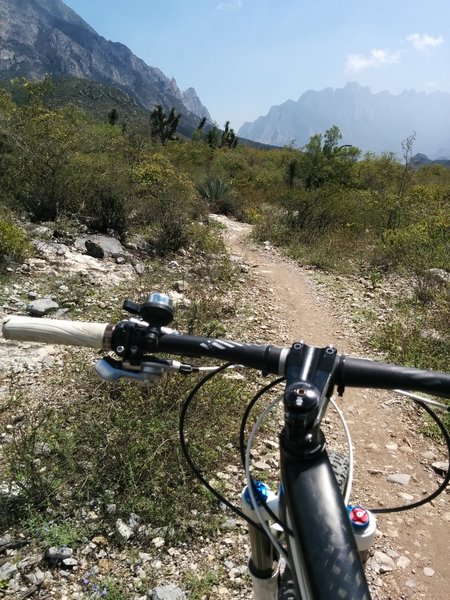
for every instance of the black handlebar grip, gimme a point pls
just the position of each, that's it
(359, 372)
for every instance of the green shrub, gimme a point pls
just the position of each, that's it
(166, 200)
(424, 244)
(14, 244)
(106, 210)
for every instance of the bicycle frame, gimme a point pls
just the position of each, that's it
(310, 516)
(323, 553)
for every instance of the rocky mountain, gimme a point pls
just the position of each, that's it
(46, 36)
(373, 122)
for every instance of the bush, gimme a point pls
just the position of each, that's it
(106, 210)
(166, 203)
(423, 244)
(14, 244)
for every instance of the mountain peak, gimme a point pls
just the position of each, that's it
(373, 122)
(46, 36)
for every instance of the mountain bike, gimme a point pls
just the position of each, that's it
(307, 541)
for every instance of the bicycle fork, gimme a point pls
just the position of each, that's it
(263, 564)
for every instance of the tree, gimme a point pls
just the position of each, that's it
(228, 138)
(201, 124)
(395, 214)
(407, 148)
(313, 163)
(215, 138)
(291, 171)
(163, 127)
(331, 139)
(324, 161)
(113, 117)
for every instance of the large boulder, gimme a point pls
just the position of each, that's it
(110, 246)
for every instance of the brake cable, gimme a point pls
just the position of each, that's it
(422, 402)
(184, 447)
(446, 480)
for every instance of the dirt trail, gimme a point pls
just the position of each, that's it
(415, 545)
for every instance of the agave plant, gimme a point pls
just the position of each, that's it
(213, 189)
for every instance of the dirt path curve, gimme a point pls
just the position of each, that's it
(412, 549)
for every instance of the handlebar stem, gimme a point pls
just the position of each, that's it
(309, 372)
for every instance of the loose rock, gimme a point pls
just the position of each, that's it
(400, 478)
(167, 592)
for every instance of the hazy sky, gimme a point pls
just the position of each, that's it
(244, 56)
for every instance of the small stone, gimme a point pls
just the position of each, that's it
(429, 455)
(400, 478)
(392, 446)
(167, 592)
(70, 562)
(57, 553)
(39, 576)
(428, 571)
(145, 557)
(105, 565)
(41, 307)
(158, 542)
(406, 496)
(382, 563)
(46, 583)
(440, 467)
(134, 520)
(230, 524)
(42, 449)
(403, 562)
(7, 571)
(374, 447)
(100, 540)
(5, 539)
(410, 583)
(123, 531)
(64, 573)
(139, 268)
(222, 590)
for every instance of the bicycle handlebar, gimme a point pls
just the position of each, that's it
(54, 331)
(350, 372)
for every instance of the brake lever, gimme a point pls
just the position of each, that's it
(147, 372)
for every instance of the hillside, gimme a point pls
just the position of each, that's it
(45, 36)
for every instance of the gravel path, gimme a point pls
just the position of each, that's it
(277, 302)
(413, 545)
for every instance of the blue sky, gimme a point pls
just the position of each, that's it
(244, 56)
